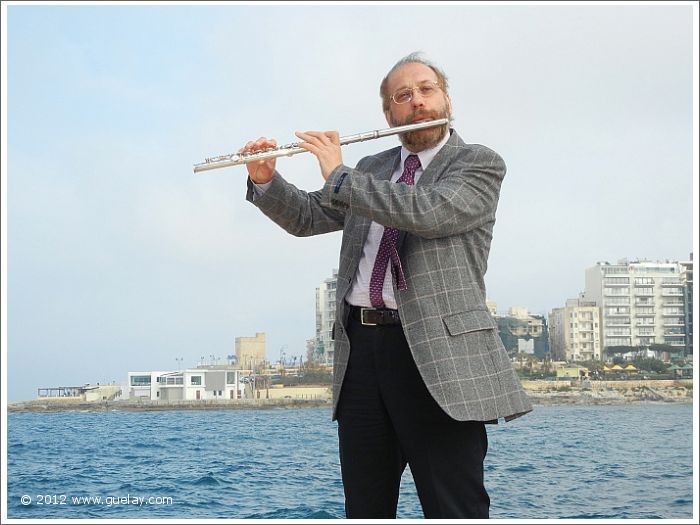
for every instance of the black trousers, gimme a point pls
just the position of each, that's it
(387, 419)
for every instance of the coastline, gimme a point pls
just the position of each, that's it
(46, 406)
(541, 392)
(577, 392)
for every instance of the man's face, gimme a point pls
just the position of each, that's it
(419, 108)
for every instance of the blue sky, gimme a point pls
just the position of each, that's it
(119, 258)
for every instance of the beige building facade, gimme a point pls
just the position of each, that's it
(250, 352)
(575, 331)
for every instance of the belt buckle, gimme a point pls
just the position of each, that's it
(362, 316)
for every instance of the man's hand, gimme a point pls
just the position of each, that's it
(260, 171)
(326, 146)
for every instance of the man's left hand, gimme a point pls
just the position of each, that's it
(326, 146)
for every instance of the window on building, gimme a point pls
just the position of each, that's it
(140, 380)
(196, 380)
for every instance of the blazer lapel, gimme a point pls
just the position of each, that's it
(442, 160)
(437, 166)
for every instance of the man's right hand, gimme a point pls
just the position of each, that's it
(261, 171)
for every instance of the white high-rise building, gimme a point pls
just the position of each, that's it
(642, 302)
(574, 331)
(325, 317)
(688, 279)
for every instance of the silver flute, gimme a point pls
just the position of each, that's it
(235, 159)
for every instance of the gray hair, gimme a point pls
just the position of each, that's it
(413, 58)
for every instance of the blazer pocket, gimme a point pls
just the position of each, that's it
(470, 321)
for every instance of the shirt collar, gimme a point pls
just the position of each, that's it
(425, 156)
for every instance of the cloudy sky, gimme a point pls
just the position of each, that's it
(118, 258)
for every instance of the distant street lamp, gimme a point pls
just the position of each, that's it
(179, 362)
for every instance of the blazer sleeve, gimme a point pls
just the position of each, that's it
(462, 197)
(298, 212)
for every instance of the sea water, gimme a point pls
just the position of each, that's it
(605, 462)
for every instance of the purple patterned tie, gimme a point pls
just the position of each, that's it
(387, 247)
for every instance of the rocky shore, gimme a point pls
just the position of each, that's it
(608, 392)
(43, 405)
(541, 393)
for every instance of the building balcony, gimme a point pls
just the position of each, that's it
(645, 314)
(675, 343)
(645, 341)
(672, 284)
(617, 341)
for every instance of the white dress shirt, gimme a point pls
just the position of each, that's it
(359, 290)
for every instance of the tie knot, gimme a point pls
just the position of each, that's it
(412, 163)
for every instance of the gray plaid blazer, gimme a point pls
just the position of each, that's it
(446, 222)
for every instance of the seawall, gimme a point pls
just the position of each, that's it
(541, 392)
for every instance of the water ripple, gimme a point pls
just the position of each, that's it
(572, 462)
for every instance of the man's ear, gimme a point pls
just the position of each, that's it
(387, 116)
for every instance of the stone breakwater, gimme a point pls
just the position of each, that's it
(43, 405)
(541, 393)
(608, 392)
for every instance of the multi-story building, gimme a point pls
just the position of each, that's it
(687, 276)
(642, 302)
(203, 382)
(250, 352)
(325, 317)
(574, 331)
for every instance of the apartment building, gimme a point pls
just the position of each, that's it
(641, 302)
(687, 276)
(325, 317)
(575, 331)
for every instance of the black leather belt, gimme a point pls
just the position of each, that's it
(375, 316)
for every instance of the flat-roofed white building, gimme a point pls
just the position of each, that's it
(205, 383)
(642, 303)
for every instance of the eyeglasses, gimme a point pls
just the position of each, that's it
(426, 89)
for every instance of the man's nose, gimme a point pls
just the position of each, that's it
(417, 100)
